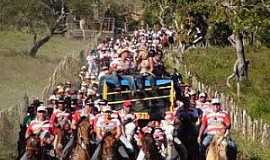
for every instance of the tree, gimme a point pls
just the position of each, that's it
(245, 17)
(248, 19)
(42, 18)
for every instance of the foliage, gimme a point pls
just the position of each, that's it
(218, 34)
(82, 7)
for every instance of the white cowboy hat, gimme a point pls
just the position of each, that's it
(106, 108)
(215, 101)
(202, 94)
(41, 108)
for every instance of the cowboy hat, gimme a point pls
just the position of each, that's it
(41, 108)
(215, 101)
(122, 50)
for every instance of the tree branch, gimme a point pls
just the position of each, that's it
(235, 68)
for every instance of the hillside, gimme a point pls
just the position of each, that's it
(213, 65)
(22, 74)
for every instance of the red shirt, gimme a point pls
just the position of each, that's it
(58, 116)
(36, 127)
(80, 113)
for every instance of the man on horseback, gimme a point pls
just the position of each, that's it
(60, 121)
(39, 124)
(215, 123)
(128, 124)
(86, 111)
(106, 124)
(108, 132)
(40, 129)
(186, 118)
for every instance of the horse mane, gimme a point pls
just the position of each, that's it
(83, 118)
(214, 149)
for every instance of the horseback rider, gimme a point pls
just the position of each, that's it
(40, 128)
(128, 121)
(86, 111)
(215, 123)
(186, 118)
(125, 113)
(39, 124)
(60, 116)
(203, 104)
(106, 123)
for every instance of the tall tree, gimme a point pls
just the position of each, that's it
(42, 18)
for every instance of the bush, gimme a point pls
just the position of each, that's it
(258, 106)
(264, 37)
(218, 34)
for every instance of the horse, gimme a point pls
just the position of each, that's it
(175, 148)
(33, 149)
(217, 149)
(60, 139)
(108, 147)
(82, 147)
(149, 148)
(129, 130)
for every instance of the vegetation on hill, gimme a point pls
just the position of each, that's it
(21, 74)
(213, 65)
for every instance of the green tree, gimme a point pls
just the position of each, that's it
(245, 17)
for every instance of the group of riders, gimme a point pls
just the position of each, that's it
(78, 123)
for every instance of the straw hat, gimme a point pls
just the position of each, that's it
(122, 50)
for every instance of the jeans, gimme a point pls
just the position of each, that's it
(68, 147)
(207, 140)
(116, 80)
(24, 157)
(140, 79)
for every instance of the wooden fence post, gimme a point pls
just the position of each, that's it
(255, 130)
(244, 125)
(266, 135)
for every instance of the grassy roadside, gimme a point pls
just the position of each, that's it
(250, 150)
(22, 74)
(213, 65)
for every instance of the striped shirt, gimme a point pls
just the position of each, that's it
(216, 122)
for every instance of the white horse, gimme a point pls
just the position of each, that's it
(172, 153)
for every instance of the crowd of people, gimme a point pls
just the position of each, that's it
(195, 119)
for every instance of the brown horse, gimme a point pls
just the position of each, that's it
(217, 149)
(149, 148)
(107, 148)
(33, 148)
(82, 147)
(60, 139)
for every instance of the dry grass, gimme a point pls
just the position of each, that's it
(22, 74)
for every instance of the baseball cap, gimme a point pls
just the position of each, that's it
(127, 104)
